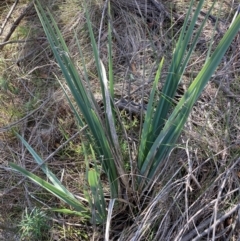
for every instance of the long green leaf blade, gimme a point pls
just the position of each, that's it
(172, 129)
(79, 92)
(45, 169)
(55, 191)
(147, 126)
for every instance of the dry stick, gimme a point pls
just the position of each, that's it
(160, 8)
(188, 186)
(8, 16)
(215, 209)
(28, 54)
(200, 227)
(221, 219)
(191, 174)
(101, 24)
(16, 23)
(226, 90)
(7, 128)
(191, 234)
(19, 41)
(47, 159)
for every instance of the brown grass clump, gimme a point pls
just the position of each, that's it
(197, 196)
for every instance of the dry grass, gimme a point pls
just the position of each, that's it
(199, 186)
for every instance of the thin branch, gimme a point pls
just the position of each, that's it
(221, 219)
(7, 128)
(20, 41)
(226, 91)
(8, 16)
(17, 22)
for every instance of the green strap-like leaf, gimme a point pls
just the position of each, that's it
(55, 191)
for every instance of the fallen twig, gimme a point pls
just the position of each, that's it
(8, 16)
(16, 23)
(226, 91)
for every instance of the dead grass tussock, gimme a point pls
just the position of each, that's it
(202, 193)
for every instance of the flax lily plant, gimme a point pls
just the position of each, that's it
(162, 125)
